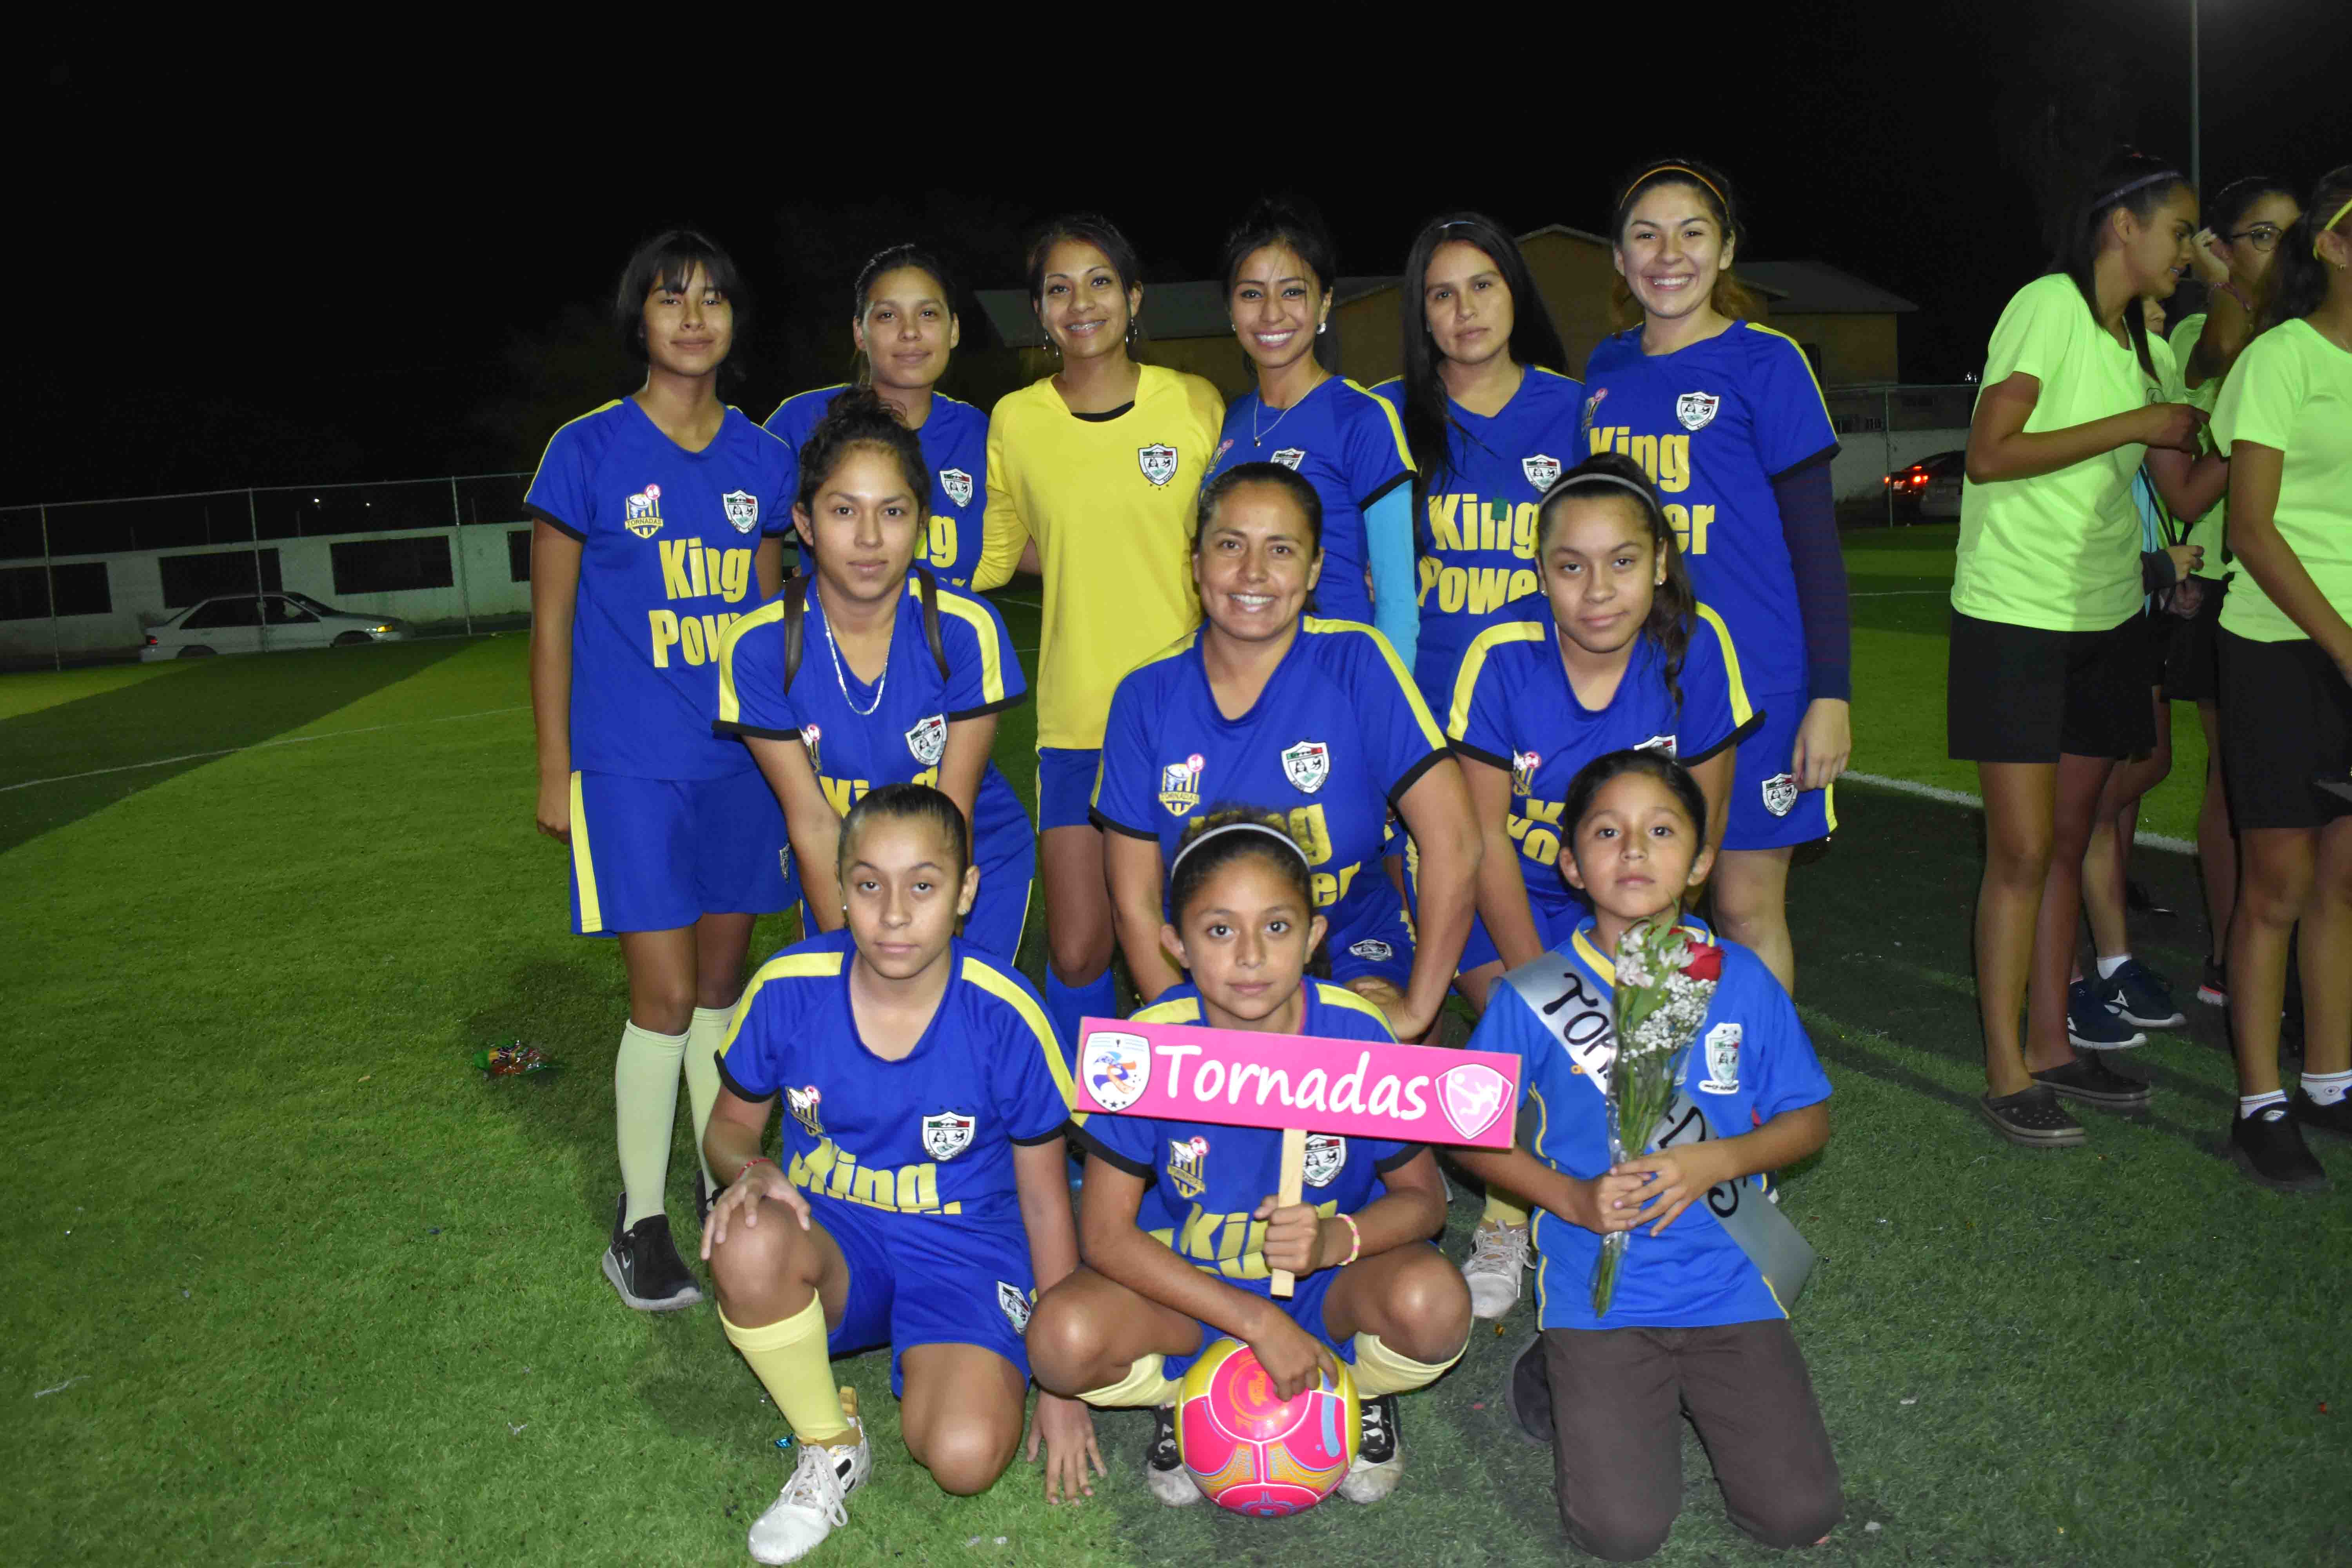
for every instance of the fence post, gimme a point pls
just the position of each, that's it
(260, 588)
(49, 586)
(457, 543)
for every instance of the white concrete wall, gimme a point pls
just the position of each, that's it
(135, 582)
(1866, 458)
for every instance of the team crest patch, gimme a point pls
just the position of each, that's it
(1523, 772)
(1184, 1165)
(1013, 1302)
(641, 514)
(1326, 1156)
(1592, 406)
(810, 735)
(1291, 456)
(803, 1105)
(948, 1134)
(1307, 765)
(1722, 1059)
(958, 484)
(1697, 409)
(928, 740)
(1373, 949)
(743, 510)
(1540, 469)
(1781, 794)
(1180, 784)
(1658, 743)
(1158, 460)
(1118, 1069)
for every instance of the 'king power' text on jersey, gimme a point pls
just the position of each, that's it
(667, 539)
(954, 438)
(1713, 423)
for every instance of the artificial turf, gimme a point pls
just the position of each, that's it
(301, 1288)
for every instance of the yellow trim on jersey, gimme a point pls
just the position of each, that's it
(1403, 676)
(567, 424)
(1829, 803)
(1741, 709)
(1183, 1010)
(1543, 1123)
(984, 975)
(730, 706)
(1465, 679)
(1601, 964)
(1802, 359)
(1332, 995)
(1396, 424)
(783, 966)
(992, 656)
(584, 863)
(836, 386)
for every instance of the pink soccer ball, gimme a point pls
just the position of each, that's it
(1256, 1454)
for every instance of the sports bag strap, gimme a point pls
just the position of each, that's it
(795, 612)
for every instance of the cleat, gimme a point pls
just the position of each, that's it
(2136, 994)
(814, 1501)
(1163, 1465)
(2268, 1146)
(2092, 1025)
(644, 1265)
(1379, 1463)
(1498, 1256)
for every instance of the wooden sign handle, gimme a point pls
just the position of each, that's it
(1293, 1182)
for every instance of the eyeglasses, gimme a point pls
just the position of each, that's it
(2263, 234)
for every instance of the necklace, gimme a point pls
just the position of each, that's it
(1257, 438)
(842, 682)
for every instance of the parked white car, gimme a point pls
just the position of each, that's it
(264, 623)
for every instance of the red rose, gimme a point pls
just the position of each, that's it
(1706, 962)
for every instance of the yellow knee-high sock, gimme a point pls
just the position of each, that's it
(702, 1039)
(789, 1358)
(1146, 1386)
(1504, 1208)
(1379, 1370)
(644, 1111)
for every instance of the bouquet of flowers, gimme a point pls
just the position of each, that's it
(1666, 979)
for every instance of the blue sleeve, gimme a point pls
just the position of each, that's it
(1387, 540)
(1123, 792)
(1028, 1093)
(752, 696)
(1508, 1028)
(1808, 525)
(1405, 740)
(1128, 1142)
(1714, 711)
(1791, 419)
(558, 491)
(1788, 1076)
(983, 672)
(1477, 727)
(752, 1055)
(776, 506)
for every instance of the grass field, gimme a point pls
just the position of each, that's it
(301, 1288)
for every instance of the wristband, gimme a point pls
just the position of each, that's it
(754, 1159)
(1356, 1242)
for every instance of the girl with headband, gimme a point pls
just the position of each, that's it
(1724, 415)
(2048, 675)
(903, 322)
(2285, 419)
(1372, 1292)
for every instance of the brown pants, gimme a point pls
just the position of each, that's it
(1616, 1394)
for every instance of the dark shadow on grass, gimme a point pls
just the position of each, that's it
(210, 706)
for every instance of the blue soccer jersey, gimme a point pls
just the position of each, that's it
(1346, 443)
(1477, 534)
(954, 438)
(928, 1134)
(1209, 1179)
(1513, 708)
(1713, 423)
(860, 736)
(1750, 1063)
(666, 538)
(1336, 738)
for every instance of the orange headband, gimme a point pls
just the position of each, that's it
(1676, 169)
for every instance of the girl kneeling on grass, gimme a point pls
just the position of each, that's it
(1121, 1330)
(922, 1189)
(1694, 1326)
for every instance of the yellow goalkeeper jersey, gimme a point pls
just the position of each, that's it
(1109, 500)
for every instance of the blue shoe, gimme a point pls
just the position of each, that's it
(2092, 1025)
(2138, 998)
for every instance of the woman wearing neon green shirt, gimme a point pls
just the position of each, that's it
(2048, 682)
(2285, 420)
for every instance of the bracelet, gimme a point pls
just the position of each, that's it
(754, 1159)
(1355, 1246)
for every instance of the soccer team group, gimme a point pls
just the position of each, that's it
(1350, 701)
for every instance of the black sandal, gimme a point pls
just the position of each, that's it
(2092, 1082)
(2032, 1118)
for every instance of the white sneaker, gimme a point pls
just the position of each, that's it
(1498, 1256)
(811, 1504)
(1379, 1463)
(1164, 1475)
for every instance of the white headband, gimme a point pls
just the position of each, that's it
(1279, 836)
(1567, 482)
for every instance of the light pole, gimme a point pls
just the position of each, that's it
(2196, 139)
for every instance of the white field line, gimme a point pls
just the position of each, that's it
(1962, 797)
(1897, 592)
(263, 745)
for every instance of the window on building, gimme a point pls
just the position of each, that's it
(82, 589)
(519, 555)
(392, 565)
(190, 578)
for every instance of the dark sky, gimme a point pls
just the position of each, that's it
(385, 266)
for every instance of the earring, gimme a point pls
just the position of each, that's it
(1321, 328)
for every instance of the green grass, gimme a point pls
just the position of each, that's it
(309, 1291)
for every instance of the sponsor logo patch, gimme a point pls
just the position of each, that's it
(1781, 794)
(1722, 1059)
(641, 514)
(928, 740)
(1326, 1156)
(1697, 409)
(1180, 784)
(1307, 765)
(1291, 456)
(1658, 743)
(1373, 949)
(1184, 1165)
(1118, 1069)
(1157, 462)
(1523, 772)
(803, 1104)
(948, 1134)
(810, 735)
(958, 484)
(743, 510)
(1592, 406)
(1542, 470)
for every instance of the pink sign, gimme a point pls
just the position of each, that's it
(1410, 1094)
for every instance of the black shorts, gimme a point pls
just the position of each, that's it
(2286, 720)
(2192, 670)
(2021, 694)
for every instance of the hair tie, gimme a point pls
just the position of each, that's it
(1285, 839)
(2129, 186)
(1675, 169)
(2331, 223)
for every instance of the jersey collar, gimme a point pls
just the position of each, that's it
(1603, 967)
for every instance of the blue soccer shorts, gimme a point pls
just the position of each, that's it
(1767, 810)
(929, 1279)
(659, 853)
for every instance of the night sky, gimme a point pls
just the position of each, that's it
(385, 265)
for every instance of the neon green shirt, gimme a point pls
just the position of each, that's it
(2059, 551)
(2292, 389)
(2207, 531)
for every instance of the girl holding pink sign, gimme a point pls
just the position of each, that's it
(1370, 1290)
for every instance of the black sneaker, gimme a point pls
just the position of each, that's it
(2092, 1026)
(1164, 1463)
(644, 1265)
(2141, 997)
(2213, 985)
(2268, 1146)
(1379, 1463)
(1526, 1393)
(2089, 1080)
(2336, 1118)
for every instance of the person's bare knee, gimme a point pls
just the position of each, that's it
(759, 1268)
(1428, 1312)
(1068, 1345)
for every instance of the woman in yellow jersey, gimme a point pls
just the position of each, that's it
(2284, 418)
(1096, 469)
(2047, 686)
(2233, 259)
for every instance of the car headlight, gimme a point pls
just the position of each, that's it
(381, 629)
